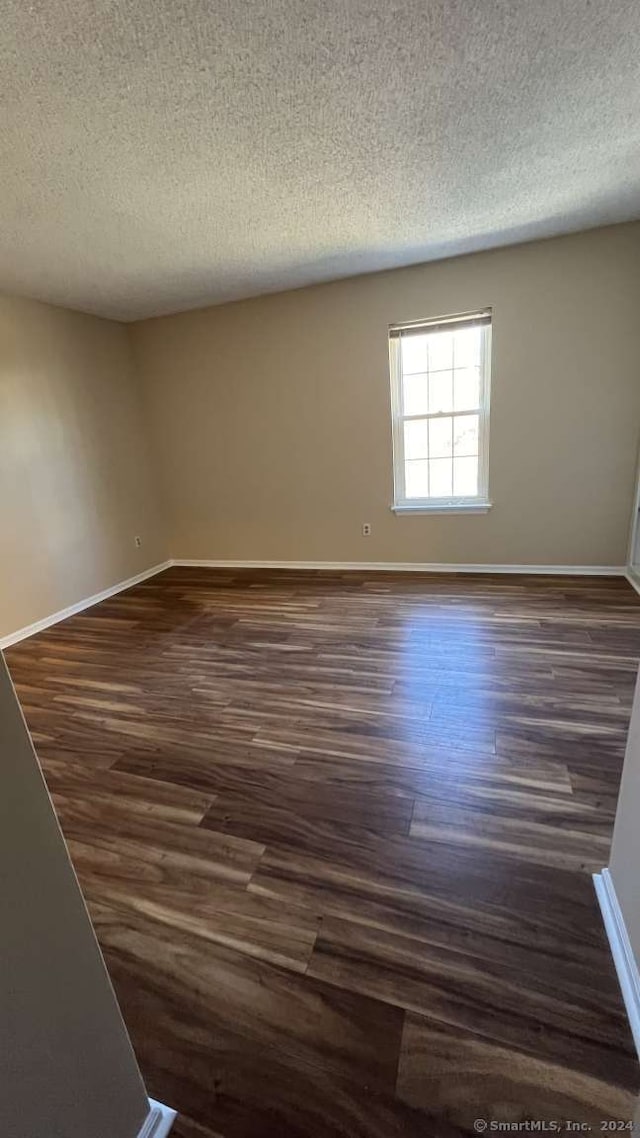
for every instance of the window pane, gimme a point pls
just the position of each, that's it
(440, 437)
(466, 389)
(440, 392)
(440, 351)
(440, 407)
(440, 477)
(414, 394)
(465, 434)
(414, 353)
(416, 438)
(466, 347)
(416, 479)
(465, 476)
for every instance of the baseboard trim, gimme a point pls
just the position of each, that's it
(412, 567)
(158, 1122)
(621, 951)
(633, 579)
(339, 566)
(79, 606)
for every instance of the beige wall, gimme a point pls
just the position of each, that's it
(66, 1068)
(269, 423)
(271, 416)
(624, 861)
(75, 484)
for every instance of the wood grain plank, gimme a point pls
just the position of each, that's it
(504, 1083)
(335, 831)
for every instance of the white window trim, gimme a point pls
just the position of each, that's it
(442, 506)
(478, 504)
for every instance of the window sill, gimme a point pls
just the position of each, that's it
(479, 507)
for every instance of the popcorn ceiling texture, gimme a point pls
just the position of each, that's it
(159, 155)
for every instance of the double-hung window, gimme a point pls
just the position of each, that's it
(440, 373)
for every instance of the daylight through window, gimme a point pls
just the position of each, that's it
(440, 400)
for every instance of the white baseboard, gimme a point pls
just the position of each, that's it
(79, 606)
(623, 958)
(340, 566)
(633, 579)
(158, 1122)
(412, 567)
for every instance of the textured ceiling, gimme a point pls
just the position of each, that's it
(157, 155)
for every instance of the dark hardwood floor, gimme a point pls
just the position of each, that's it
(336, 834)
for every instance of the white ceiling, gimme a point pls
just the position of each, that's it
(158, 155)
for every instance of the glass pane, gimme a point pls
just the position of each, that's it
(466, 389)
(465, 434)
(440, 392)
(416, 479)
(440, 479)
(465, 477)
(440, 437)
(440, 351)
(416, 438)
(466, 347)
(414, 394)
(414, 353)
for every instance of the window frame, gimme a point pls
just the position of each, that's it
(478, 503)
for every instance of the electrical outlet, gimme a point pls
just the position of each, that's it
(366, 529)
(138, 542)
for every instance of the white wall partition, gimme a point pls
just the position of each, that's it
(67, 1069)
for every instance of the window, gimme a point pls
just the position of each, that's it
(440, 406)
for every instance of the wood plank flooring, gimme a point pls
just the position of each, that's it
(336, 835)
